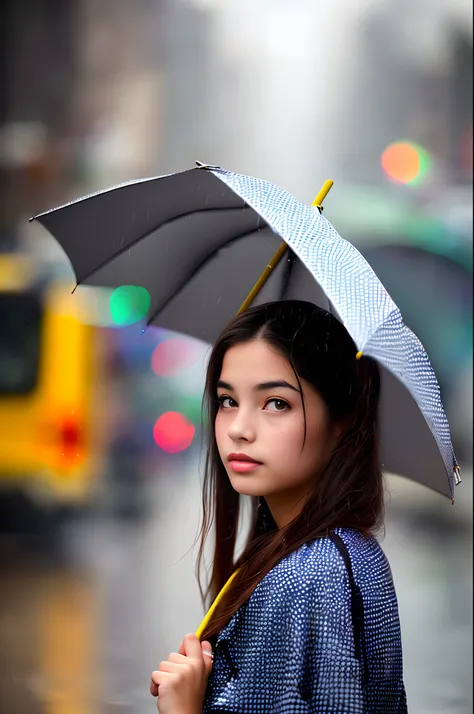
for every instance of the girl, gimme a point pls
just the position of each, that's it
(310, 623)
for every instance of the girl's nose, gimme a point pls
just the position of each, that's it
(242, 428)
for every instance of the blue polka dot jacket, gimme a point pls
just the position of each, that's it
(320, 634)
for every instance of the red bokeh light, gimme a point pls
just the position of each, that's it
(172, 355)
(173, 432)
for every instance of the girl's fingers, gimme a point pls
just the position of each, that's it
(157, 677)
(154, 678)
(192, 647)
(170, 667)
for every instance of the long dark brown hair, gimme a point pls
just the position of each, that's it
(349, 491)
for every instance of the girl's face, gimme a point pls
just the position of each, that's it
(259, 428)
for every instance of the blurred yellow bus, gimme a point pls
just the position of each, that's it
(51, 371)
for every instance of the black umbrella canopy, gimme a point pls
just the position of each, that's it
(198, 250)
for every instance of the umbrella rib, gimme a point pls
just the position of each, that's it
(148, 233)
(197, 270)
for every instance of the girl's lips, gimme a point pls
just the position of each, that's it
(243, 467)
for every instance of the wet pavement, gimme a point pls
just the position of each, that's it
(85, 620)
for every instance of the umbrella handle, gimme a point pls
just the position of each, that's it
(280, 252)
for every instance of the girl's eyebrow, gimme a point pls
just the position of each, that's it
(278, 384)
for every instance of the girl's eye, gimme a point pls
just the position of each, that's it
(277, 405)
(226, 402)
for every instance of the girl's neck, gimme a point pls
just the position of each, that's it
(285, 507)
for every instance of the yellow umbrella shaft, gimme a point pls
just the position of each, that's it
(263, 278)
(280, 253)
(210, 612)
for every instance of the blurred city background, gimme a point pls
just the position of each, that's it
(100, 426)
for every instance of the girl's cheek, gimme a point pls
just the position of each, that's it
(217, 426)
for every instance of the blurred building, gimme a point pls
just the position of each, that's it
(81, 101)
(117, 104)
(187, 52)
(413, 81)
(38, 69)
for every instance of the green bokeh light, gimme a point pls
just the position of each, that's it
(129, 304)
(424, 164)
(406, 162)
(191, 407)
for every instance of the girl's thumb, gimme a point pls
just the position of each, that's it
(207, 652)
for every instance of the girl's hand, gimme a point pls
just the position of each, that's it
(180, 682)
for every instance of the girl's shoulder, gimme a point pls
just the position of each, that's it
(318, 565)
(314, 579)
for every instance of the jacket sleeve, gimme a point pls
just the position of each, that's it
(318, 672)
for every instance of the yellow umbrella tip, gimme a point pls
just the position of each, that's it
(327, 186)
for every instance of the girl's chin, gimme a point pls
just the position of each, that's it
(249, 486)
(245, 485)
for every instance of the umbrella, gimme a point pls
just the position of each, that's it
(197, 241)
